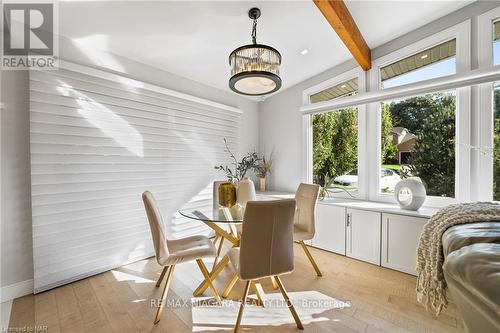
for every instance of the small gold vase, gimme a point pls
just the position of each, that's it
(227, 194)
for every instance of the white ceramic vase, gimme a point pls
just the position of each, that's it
(245, 192)
(410, 193)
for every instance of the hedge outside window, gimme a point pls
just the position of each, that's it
(335, 149)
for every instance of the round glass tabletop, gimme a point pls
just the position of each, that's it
(218, 215)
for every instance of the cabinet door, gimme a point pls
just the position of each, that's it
(330, 228)
(400, 236)
(363, 235)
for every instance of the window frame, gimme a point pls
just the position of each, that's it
(484, 119)
(405, 55)
(307, 146)
(461, 32)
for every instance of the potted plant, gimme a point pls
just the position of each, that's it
(262, 169)
(323, 190)
(329, 187)
(239, 169)
(245, 189)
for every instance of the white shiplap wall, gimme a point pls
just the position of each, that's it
(98, 140)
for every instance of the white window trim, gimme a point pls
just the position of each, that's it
(307, 149)
(483, 131)
(461, 33)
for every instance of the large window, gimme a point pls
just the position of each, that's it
(346, 88)
(434, 62)
(407, 125)
(335, 149)
(418, 133)
(418, 140)
(335, 140)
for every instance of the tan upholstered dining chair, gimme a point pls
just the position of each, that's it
(305, 218)
(170, 253)
(266, 247)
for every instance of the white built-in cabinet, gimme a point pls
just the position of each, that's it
(330, 228)
(363, 235)
(400, 236)
(378, 233)
(380, 238)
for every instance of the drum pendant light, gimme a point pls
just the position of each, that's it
(255, 67)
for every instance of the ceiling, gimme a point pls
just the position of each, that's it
(194, 39)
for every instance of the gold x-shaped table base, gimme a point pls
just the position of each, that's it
(218, 267)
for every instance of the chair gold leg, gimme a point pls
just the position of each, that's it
(230, 286)
(242, 306)
(310, 257)
(290, 305)
(158, 283)
(206, 275)
(258, 293)
(164, 294)
(273, 280)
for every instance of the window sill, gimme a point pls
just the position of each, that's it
(430, 201)
(381, 207)
(376, 206)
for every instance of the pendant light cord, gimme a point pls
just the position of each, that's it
(254, 31)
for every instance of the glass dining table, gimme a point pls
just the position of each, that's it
(216, 217)
(223, 222)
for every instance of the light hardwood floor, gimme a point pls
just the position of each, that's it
(381, 300)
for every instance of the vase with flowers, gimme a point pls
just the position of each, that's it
(262, 169)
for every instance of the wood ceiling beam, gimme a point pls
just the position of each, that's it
(337, 14)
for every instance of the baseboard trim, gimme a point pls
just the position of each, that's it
(16, 290)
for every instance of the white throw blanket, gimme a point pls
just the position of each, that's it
(431, 285)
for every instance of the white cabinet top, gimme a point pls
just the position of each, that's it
(424, 212)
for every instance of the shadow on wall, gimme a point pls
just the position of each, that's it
(105, 120)
(96, 146)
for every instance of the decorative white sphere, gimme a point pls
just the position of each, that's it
(410, 193)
